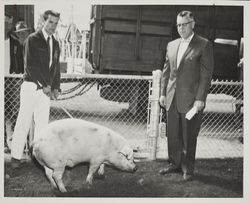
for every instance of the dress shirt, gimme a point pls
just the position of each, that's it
(182, 48)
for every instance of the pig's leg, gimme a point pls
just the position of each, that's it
(49, 173)
(101, 170)
(57, 176)
(92, 169)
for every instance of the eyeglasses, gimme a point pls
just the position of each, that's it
(184, 24)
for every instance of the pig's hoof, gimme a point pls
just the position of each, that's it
(63, 190)
(59, 193)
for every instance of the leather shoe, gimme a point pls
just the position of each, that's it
(187, 177)
(15, 163)
(169, 169)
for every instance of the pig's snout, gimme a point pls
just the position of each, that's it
(134, 168)
(131, 167)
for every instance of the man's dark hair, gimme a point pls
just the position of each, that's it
(52, 13)
(188, 14)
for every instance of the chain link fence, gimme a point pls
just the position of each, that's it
(127, 104)
(221, 134)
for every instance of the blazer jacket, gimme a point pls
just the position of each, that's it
(16, 55)
(36, 61)
(192, 79)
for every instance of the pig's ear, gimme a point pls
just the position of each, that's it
(127, 152)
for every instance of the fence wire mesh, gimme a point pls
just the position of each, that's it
(221, 133)
(123, 103)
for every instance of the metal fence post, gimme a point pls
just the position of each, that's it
(154, 114)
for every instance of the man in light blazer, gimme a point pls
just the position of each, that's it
(41, 82)
(186, 78)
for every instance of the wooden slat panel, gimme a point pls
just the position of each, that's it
(118, 47)
(120, 12)
(153, 48)
(203, 31)
(156, 29)
(202, 15)
(133, 66)
(228, 17)
(158, 13)
(130, 27)
(119, 26)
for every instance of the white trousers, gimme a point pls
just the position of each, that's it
(32, 102)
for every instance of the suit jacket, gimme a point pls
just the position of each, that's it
(192, 79)
(16, 55)
(36, 61)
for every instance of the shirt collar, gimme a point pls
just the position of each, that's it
(45, 34)
(188, 39)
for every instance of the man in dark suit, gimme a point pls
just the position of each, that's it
(185, 83)
(17, 39)
(12, 84)
(41, 82)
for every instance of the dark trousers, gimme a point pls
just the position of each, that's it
(182, 138)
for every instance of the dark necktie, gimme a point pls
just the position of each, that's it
(48, 46)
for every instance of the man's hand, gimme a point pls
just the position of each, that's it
(162, 101)
(199, 104)
(54, 94)
(241, 63)
(47, 90)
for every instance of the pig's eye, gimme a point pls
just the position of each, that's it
(125, 155)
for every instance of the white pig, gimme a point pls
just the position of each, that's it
(68, 142)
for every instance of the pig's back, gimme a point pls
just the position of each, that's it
(67, 128)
